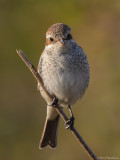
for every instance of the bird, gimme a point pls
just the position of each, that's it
(65, 72)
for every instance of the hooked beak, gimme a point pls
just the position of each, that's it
(63, 41)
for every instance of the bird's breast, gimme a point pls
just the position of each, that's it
(64, 75)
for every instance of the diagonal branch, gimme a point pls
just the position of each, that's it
(58, 108)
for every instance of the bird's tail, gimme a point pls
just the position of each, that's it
(49, 135)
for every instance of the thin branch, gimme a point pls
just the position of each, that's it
(58, 108)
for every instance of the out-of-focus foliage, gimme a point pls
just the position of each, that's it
(96, 27)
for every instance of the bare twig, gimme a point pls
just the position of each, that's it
(58, 108)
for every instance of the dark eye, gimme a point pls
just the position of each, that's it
(69, 36)
(51, 39)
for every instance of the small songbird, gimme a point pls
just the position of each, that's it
(64, 69)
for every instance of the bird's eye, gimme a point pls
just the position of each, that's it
(51, 39)
(69, 36)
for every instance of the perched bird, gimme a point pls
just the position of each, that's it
(64, 69)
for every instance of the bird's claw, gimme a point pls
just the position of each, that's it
(70, 123)
(54, 102)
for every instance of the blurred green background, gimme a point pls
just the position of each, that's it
(96, 27)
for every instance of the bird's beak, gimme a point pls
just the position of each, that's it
(62, 41)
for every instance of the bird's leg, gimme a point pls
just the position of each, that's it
(69, 124)
(54, 102)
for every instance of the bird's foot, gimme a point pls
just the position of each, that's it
(54, 102)
(70, 123)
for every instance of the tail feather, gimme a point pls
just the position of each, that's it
(49, 135)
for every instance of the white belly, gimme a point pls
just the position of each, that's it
(66, 85)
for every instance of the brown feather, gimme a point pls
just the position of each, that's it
(49, 135)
